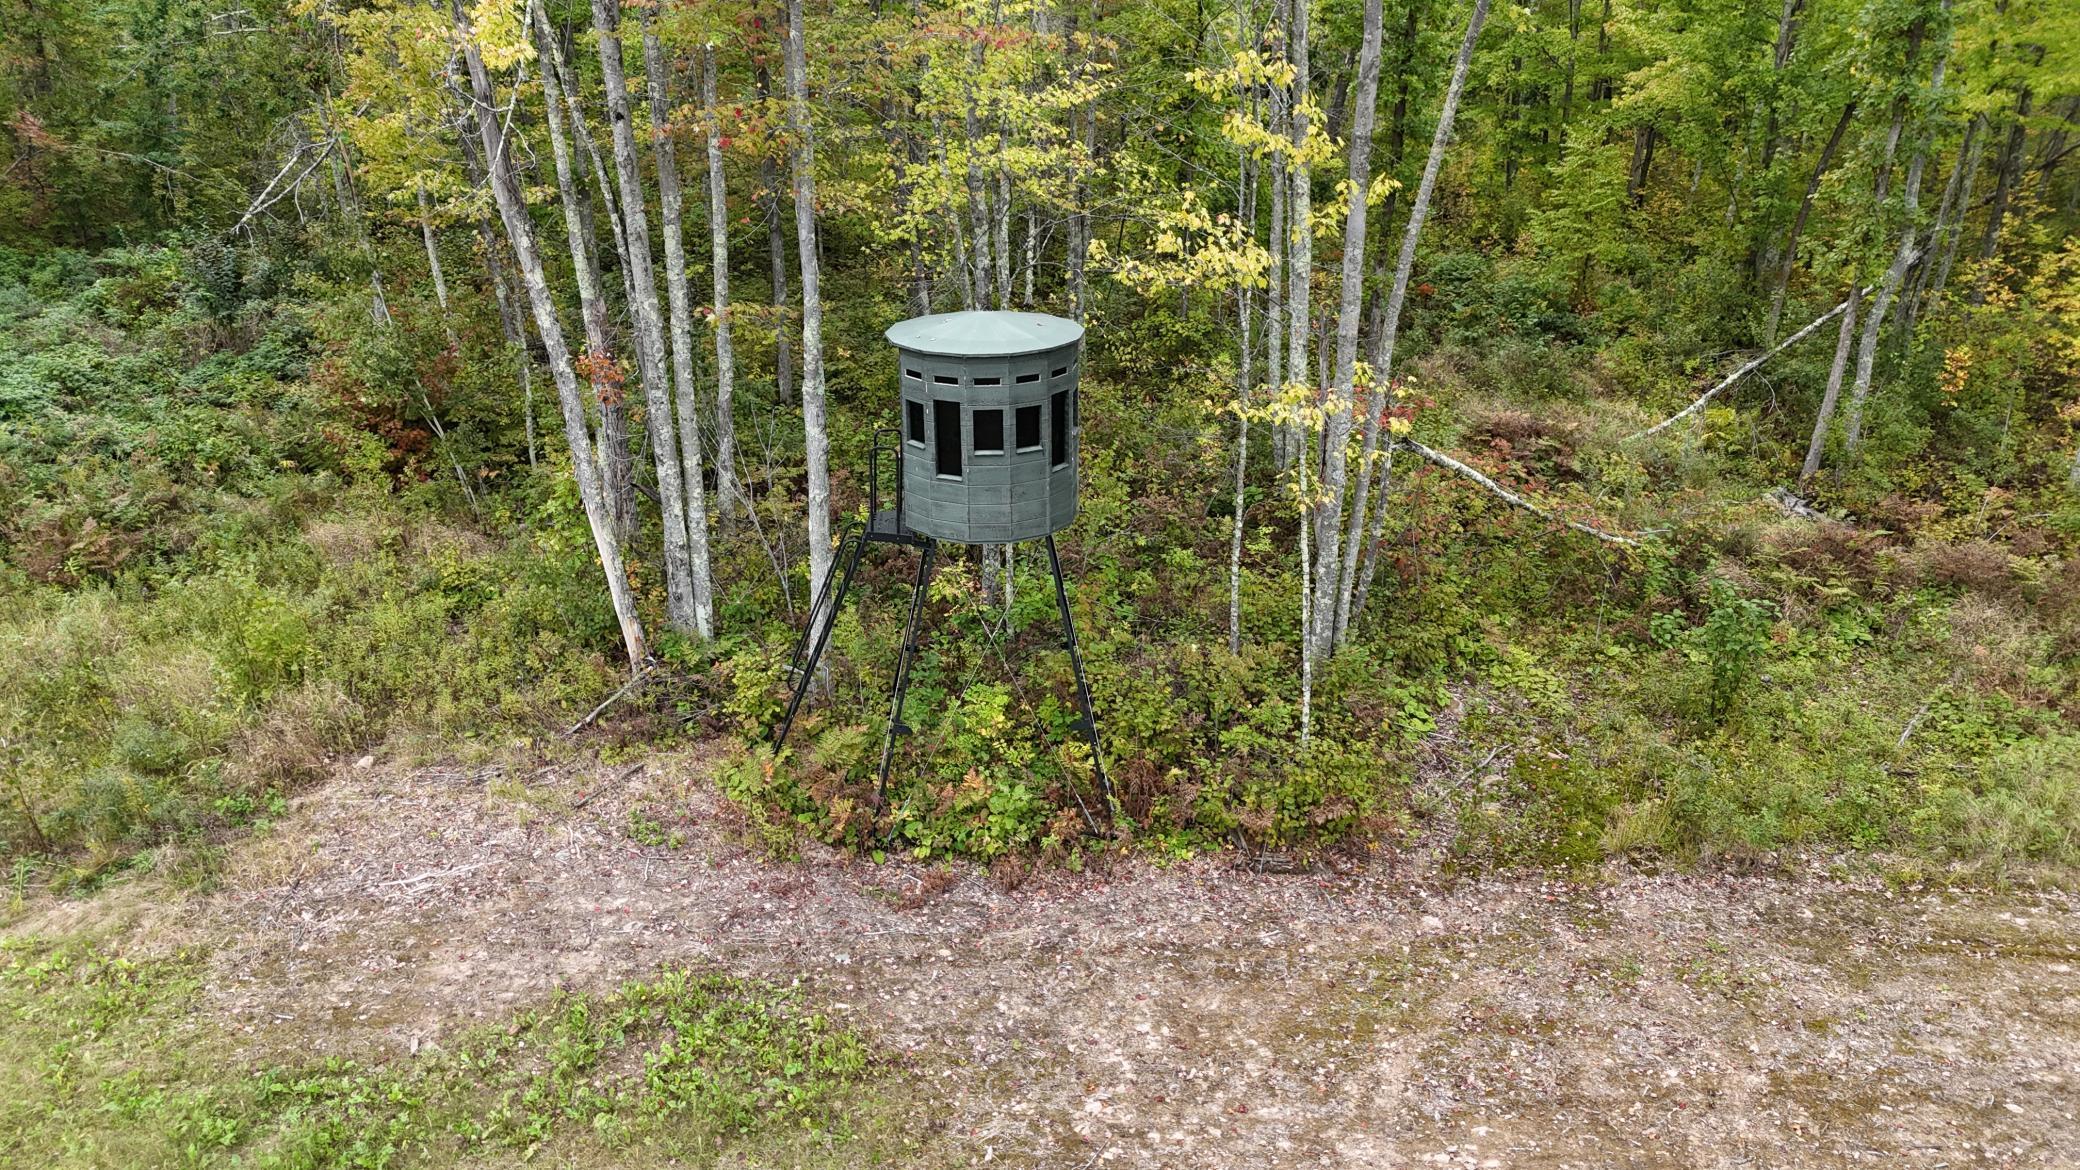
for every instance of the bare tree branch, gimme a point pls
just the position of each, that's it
(1751, 366)
(1446, 461)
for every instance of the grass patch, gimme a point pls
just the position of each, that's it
(110, 1061)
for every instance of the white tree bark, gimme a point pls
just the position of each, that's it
(1329, 574)
(727, 496)
(1844, 342)
(1299, 318)
(1902, 259)
(671, 210)
(1397, 296)
(512, 209)
(681, 605)
(816, 436)
(616, 461)
(433, 257)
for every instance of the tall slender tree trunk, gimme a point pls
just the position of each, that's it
(776, 251)
(616, 458)
(1946, 214)
(512, 209)
(1941, 280)
(1845, 340)
(2006, 174)
(682, 605)
(1080, 244)
(1299, 310)
(433, 257)
(508, 314)
(728, 498)
(1798, 224)
(816, 438)
(1397, 294)
(671, 207)
(1329, 573)
(1003, 242)
(1902, 257)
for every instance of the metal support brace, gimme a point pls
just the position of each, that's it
(820, 625)
(1083, 688)
(908, 654)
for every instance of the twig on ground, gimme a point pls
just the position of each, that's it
(1446, 461)
(640, 675)
(430, 875)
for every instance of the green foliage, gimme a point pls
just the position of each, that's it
(102, 1066)
(1733, 639)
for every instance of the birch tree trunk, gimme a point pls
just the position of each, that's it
(1003, 243)
(816, 438)
(1798, 225)
(433, 257)
(776, 252)
(727, 496)
(506, 192)
(1299, 316)
(682, 605)
(1329, 554)
(508, 314)
(671, 211)
(617, 461)
(1946, 215)
(2006, 175)
(1903, 256)
(1964, 208)
(1844, 341)
(1080, 240)
(1397, 293)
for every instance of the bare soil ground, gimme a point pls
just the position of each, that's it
(1195, 1015)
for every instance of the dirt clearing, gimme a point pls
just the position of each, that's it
(1192, 1015)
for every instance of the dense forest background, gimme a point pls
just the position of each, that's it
(415, 374)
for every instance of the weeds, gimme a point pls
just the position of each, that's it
(103, 1065)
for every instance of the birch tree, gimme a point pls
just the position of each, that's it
(1397, 297)
(1328, 571)
(815, 434)
(512, 210)
(727, 497)
(683, 604)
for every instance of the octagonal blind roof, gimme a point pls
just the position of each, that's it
(984, 334)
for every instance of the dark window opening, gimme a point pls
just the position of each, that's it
(1075, 408)
(1060, 370)
(946, 379)
(1024, 378)
(989, 381)
(916, 412)
(1028, 427)
(946, 440)
(989, 432)
(1058, 451)
(913, 374)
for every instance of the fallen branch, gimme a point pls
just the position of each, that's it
(268, 198)
(640, 675)
(1744, 371)
(1446, 461)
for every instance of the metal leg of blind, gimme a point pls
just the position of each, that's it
(820, 622)
(1083, 688)
(903, 661)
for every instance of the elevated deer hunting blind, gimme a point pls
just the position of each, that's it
(986, 453)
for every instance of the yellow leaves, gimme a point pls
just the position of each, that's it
(1957, 370)
(1382, 186)
(1399, 426)
(501, 28)
(1191, 247)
